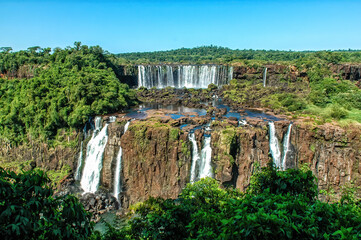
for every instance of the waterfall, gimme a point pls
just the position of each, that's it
(94, 157)
(201, 162)
(286, 146)
(274, 145)
(80, 161)
(242, 122)
(279, 160)
(264, 77)
(170, 77)
(195, 157)
(206, 154)
(189, 76)
(112, 119)
(230, 73)
(118, 168)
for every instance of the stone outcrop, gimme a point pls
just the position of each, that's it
(156, 160)
(157, 157)
(333, 153)
(347, 71)
(42, 155)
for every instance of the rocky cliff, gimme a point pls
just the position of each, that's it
(43, 155)
(157, 157)
(333, 153)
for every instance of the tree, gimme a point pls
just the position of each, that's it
(28, 209)
(6, 49)
(279, 205)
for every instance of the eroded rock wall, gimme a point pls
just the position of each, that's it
(156, 161)
(333, 153)
(41, 155)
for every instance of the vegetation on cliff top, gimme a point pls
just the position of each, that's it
(68, 87)
(323, 95)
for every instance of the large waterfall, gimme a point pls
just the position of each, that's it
(118, 168)
(201, 162)
(94, 158)
(206, 154)
(274, 145)
(195, 157)
(286, 146)
(275, 150)
(189, 76)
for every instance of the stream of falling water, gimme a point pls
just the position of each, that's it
(118, 168)
(189, 76)
(201, 161)
(94, 158)
(274, 145)
(278, 159)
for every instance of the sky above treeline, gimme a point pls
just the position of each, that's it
(144, 25)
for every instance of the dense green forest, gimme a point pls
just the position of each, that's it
(277, 205)
(221, 55)
(42, 92)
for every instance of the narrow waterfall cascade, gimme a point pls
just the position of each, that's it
(205, 169)
(264, 77)
(94, 158)
(274, 145)
(242, 122)
(195, 157)
(286, 146)
(190, 76)
(230, 73)
(118, 168)
(80, 163)
(112, 119)
(86, 132)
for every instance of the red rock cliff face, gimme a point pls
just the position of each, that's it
(333, 153)
(277, 72)
(41, 155)
(156, 161)
(157, 157)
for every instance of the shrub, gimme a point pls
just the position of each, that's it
(28, 209)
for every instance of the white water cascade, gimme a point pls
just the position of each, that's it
(201, 162)
(264, 77)
(94, 157)
(80, 161)
(279, 160)
(190, 76)
(195, 157)
(206, 154)
(274, 145)
(118, 168)
(286, 146)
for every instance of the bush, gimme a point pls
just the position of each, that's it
(28, 209)
(278, 205)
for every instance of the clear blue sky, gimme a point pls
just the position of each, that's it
(134, 25)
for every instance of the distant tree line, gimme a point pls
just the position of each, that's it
(214, 54)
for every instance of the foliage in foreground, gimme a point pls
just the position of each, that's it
(278, 205)
(28, 209)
